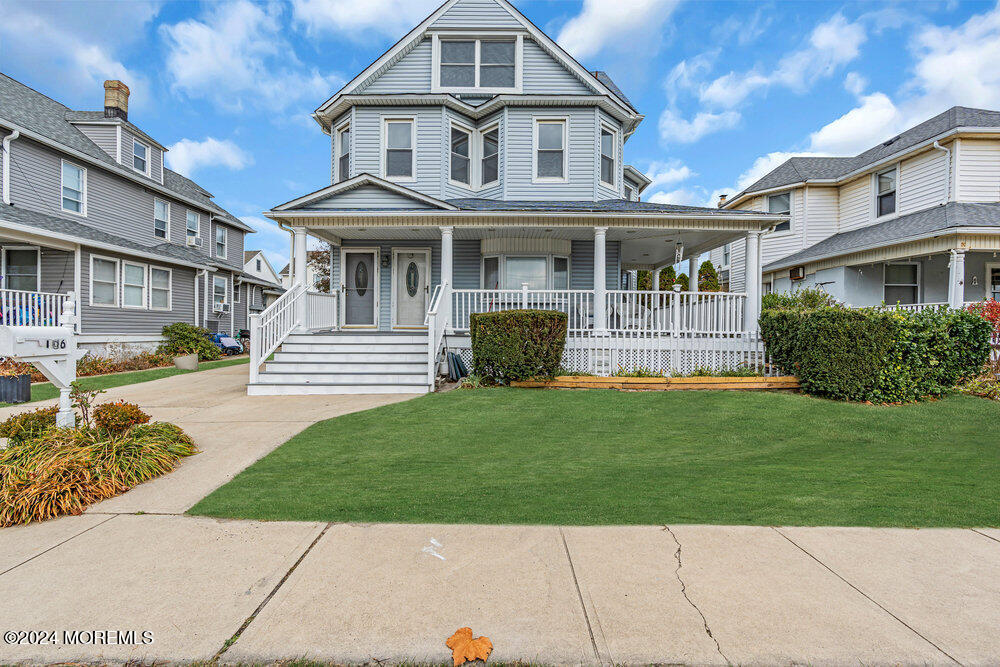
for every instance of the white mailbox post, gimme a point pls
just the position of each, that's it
(52, 350)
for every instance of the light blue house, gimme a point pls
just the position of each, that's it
(477, 166)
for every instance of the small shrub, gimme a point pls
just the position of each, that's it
(119, 416)
(984, 386)
(28, 424)
(471, 382)
(183, 338)
(515, 345)
(83, 399)
(807, 298)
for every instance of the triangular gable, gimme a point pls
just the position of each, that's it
(472, 14)
(364, 192)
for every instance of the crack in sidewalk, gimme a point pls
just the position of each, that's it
(677, 573)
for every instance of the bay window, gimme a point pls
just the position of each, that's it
(608, 153)
(461, 164)
(490, 152)
(21, 269)
(550, 150)
(343, 152)
(539, 272)
(398, 140)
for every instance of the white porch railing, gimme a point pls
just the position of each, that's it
(626, 310)
(322, 311)
(437, 319)
(32, 309)
(916, 307)
(271, 327)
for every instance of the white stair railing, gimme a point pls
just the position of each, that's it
(30, 309)
(322, 311)
(271, 327)
(438, 319)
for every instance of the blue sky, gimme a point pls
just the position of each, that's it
(729, 89)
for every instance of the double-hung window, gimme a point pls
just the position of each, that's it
(725, 255)
(902, 283)
(488, 64)
(490, 155)
(160, 288)
(258, 264)
(461, 163)
(193, 224)
(629, 192)
(161, 219)
(133, 285)
(343, 152)
(74, 188)
(237, 288)
(550, 150)
(220, 289)
(608, 153)
(140, 157)
(398, 139)
(220, 241)
(885, 199)
(780, 205)
(103, 281)
(21, 269)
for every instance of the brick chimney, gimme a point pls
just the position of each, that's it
(722, 200)
(115, 100)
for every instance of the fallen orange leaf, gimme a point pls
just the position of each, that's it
(464, 647)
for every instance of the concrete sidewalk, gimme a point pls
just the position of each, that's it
(360, 593)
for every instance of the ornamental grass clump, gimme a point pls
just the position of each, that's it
(63, 470)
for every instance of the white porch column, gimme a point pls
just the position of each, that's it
(299, 271)
(656, 280)
(600, 279)
(956, 279)
(692, 274)
(751, 309)
(447, 255)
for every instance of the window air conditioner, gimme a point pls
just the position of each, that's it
(194, 241)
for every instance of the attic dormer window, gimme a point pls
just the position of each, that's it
(140, 157)
(468, 64)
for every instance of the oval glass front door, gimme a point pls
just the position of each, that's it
(361, 278)
(412, 275)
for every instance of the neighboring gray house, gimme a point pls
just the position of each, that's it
(912, 221)
(89, 207)
(477, 166)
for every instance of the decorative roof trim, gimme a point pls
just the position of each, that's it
(356, 182)
(638, 177)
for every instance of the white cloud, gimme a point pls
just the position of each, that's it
(675, 129)
(855, 83)
(187, 156)
(632, 25)
(681, 196)
(270, 238)
(62, 46)
(236, 55)
(354, 18)
(860, 128)
(668, 173)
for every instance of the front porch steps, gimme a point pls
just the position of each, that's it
(346, 363)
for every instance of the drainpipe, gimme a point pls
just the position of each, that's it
(6, 164)
(947, 151)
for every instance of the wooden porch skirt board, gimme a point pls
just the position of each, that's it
(785, 382)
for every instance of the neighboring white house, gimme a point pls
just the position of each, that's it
(913, 220)
(257, 287)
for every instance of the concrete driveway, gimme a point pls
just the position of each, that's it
(247, 591)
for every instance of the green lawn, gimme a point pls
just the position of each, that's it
(45, 390)
(605, 457)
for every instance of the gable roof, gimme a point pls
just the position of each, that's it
(800, 169)
(416, 35)
(361, 180)
(40, 117)
(912, 226)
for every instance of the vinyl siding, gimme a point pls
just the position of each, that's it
(105, 136)
(820, 214)
(110, 320)
(979, 170)
(412, 74)
(544, 75)
(923, 182)
(473, 14)
(215, 322)
(56, 269)
(855, 204)
(602, 190)
(367, 197)
(776, 245)
(449, 189)
(240, 309)
(367, 137)
(519, 158)
(155, 157)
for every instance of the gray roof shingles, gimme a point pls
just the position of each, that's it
(798, 169)
(931, 220)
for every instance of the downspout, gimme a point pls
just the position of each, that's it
(947, 152)
(6, 164)
(197, 288)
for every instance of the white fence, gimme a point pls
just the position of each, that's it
(577, 304)
(32, 309)
(322, 311)
(271, 327)
(437, 319)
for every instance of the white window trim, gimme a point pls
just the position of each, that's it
(791, 204)
(225, 241)
(145, 285)
(237, 287)
(149, 156)
(986, 278)
(480, 155)
(885, 268)
(170, 288)
(629, 192)
(471, 131)
(157, 199)
(83, 211)
(118, 281)
(38, 265)
(502, 268)
(225, 298)
(615, 158)
(875, 194)
(187, 228)
(338, 144)
(518, 37)
(383, 153)
(535, 122)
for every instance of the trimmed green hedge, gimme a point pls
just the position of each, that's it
(882, 356)
(515, 345)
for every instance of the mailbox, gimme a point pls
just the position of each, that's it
(36, 342)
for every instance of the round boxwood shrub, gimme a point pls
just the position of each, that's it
(181, 338)
(513, 345)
